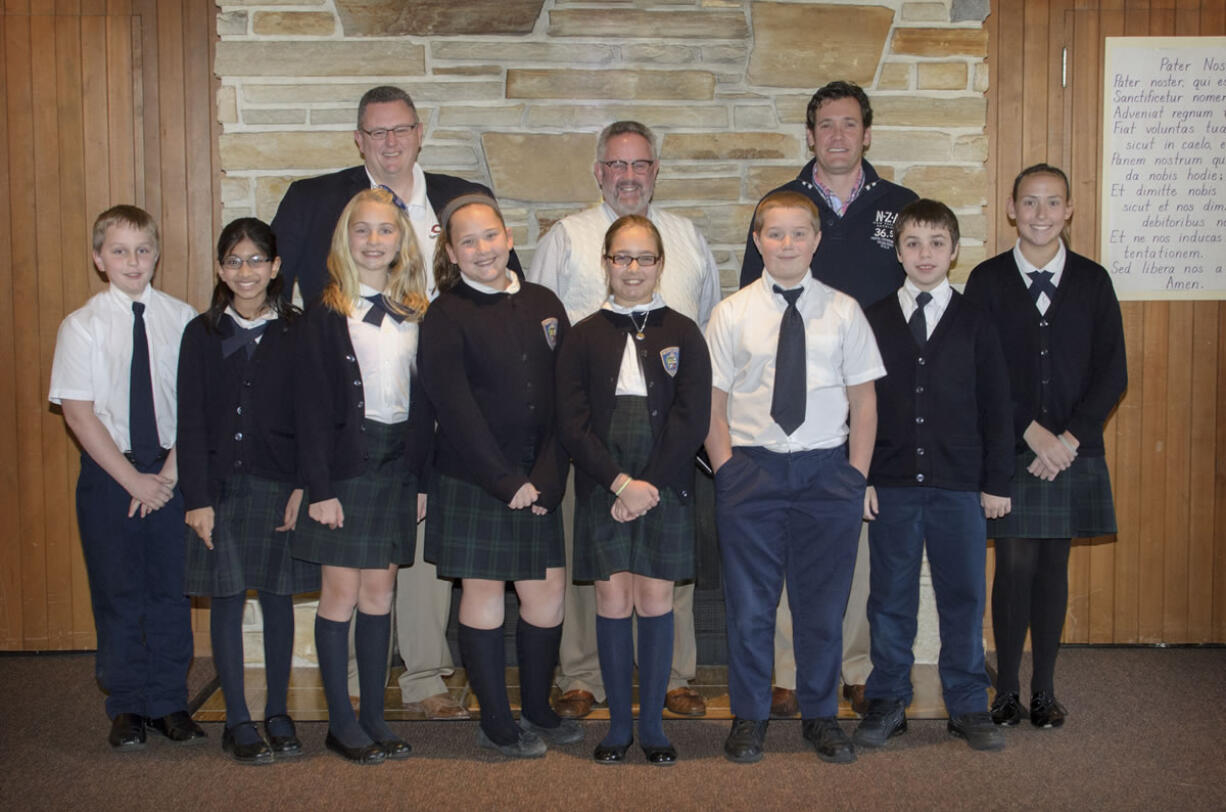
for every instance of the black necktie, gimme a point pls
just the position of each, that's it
(1040, 282)
(142, 419)
(241, 338)
(788, 397)
(378, 310)
(918, 323)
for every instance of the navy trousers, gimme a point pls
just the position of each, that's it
(952, 525)
(795, 517)
(136, 574)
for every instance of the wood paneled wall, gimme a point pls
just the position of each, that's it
(1163, 578)
(101, 102)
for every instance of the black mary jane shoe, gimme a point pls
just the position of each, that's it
(367, 754)
(283, 746)
(611, 754)
(665, 756)
(1045, 711)
(252, 754)
(1007, 710)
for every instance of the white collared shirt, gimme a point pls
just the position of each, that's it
(512, 284)
(267, 315)
(425, 223)
(840, 351)
(630, 380)
(385, 357)
(1056, 266)
(935, 308)
(93, 359)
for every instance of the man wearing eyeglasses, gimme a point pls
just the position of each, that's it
(388, 136)
(568, 261)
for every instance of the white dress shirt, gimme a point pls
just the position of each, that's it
(935, 308)
(386, 355)
(1056, 266)
(93, 359)
(630, 380)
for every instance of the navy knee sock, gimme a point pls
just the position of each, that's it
(536, 648)
(655, 662)
(278, 612)
(615, 647)
(226, 632)
(371, 634)
(485, 661)
(332, 644)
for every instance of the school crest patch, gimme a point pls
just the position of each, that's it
(671, 358)
(550, 326)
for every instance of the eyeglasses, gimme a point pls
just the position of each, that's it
(401, 131)
(234, 263)
(624, 260)
(640, 167)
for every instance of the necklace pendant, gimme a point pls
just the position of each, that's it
(638, 336)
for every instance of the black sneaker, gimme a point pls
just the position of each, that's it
(1007, 710)
(828, 739)
(885, 718)
(744, 742)
(1045, 711)
(978, 729)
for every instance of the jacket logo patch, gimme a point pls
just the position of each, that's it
(671, 358)
(550, 326)
(883, 228)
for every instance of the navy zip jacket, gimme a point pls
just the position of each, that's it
(856, 254)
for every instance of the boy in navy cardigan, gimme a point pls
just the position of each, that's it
(941, 466)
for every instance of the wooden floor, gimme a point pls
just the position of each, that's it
(306, 698)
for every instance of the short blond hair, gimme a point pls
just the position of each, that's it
(786, 199)
(126, 215)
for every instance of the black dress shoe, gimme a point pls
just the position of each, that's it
(885, 719)
(665, 756)
(178, 727)
(828, 739)
(253, 753)
(745, 740)
(1007, 710)
(395, 748)
(283, 746)
(127, 732)
(980, 732)
(366, 754)
(611, 754)
(1045, 711)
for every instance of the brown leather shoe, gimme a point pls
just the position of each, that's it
(784, 702)
(854, 694)
(574, 704)
(685, 701)
(438, 707)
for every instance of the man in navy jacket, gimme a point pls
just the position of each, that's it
(388, 136)
(856, 256)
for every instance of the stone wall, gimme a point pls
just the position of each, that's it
(513, 93)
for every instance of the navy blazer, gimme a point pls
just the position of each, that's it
(308, 213)
(236, 414)
(677, 370)
(332, 408)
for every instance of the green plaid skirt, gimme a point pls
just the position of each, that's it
(657, 545)
(1077, 504)
(471, 534)
(380, 507)
(248, 552)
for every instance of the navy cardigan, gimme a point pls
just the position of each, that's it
(1067, 368)
(943, 413)
(677, 370)
(332, 408)
(486, 362)
(236, 414)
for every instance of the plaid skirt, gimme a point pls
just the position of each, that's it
(471, 534)
(380, 507)
(1077, 504)
(657, 545)
(248, 551)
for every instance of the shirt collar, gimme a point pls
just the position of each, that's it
(655, 304)
(125, 301)
(807, 284)
(513, 287)
(268, 315)
(940, 294)
(831, 198)
(418, 199)
(1056, 266)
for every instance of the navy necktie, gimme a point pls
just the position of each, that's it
(1040, 282)
(918, 323)
(142, 418)
(395, 197)
(789, 395)
(241, 338)
(378, 310)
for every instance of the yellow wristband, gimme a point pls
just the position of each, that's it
(618, 492)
